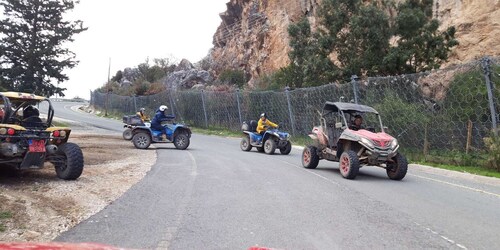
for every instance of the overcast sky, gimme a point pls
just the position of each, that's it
(129, 31)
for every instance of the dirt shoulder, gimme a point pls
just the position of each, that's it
(37, 206)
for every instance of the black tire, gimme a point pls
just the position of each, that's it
(269, 146)
(245, 144)
(181, 141)
(397, 170)
(286, 149)
(141, 140)
(349, 164)
(127, 134)
(68, 161)
(310, 158)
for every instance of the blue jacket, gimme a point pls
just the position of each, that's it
(159, 118)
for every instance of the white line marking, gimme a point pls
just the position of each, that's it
(457, 185)
(311, 172)
(441, 236)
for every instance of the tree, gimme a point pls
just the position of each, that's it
(356, 34)
(420, 46)
(32, 35)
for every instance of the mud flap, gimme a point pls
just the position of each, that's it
(33, 160)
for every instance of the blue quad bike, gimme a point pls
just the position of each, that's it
(178, 134)
(271, 140)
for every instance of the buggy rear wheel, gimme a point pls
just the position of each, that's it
(141, 140)
(245, 143)
(310, 158)
(397, 170)
(68, 161)
(349, 164)
(127, 134)
(181, 141)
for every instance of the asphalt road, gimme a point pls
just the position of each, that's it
(215, 196)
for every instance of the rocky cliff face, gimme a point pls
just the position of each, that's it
(253, 34)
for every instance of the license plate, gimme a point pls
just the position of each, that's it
(36, 146)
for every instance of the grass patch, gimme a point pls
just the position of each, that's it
(60, 124)
(465, 169)
(216, 131)
(4, 215)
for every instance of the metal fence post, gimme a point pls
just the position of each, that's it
(485, 62)
(135, 102)
(204, 108)
(354, 79)
(290, 113)
(238, 101)
(171, 101)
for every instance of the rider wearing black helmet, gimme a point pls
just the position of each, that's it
(264, 123)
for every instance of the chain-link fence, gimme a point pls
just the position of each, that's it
(434, 113)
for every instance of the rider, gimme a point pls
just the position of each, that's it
(264, 123)
(144, 117)
(358, 123)
(160, 117)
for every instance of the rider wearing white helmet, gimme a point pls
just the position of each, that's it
(160, 116)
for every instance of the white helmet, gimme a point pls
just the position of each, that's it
(163, 108)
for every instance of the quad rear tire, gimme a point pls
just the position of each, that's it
(286, 149)
(397, 170)
(69, 163)
(310, 158)
(141, 140)
(245, 144)
(269, 146)
(349, 164)
(127, 134)
(181, 141)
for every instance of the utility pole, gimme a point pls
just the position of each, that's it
(108, 89)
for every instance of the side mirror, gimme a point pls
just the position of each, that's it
(338, 125)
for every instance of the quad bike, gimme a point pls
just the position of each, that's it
(28, 141)
(130, 122)
(178, 134)
(336, 140)
(268, 142)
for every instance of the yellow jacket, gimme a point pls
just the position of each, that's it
(143, 117)
(261, 124)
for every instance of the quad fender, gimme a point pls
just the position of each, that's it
(268, 135)
(141, 129)
(182, 129)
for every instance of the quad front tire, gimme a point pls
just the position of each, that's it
(349, 164)
(269, 146)
(127, 134)
(181, 141)
(68, 161)
(310, 158)
(245, 144)
(141, 140)
(397, 169)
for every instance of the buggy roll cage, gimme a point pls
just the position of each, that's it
(24, 100)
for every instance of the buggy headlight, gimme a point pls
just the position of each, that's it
(367, 143)
(394, 143)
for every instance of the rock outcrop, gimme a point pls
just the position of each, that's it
(186, 76)
(253, 34)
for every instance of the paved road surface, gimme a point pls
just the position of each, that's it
(215, 196)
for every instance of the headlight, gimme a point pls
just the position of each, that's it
(394, 144)
(367, 142)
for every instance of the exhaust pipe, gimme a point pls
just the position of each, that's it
(51, 149)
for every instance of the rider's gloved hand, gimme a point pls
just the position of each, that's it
(277, 127)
